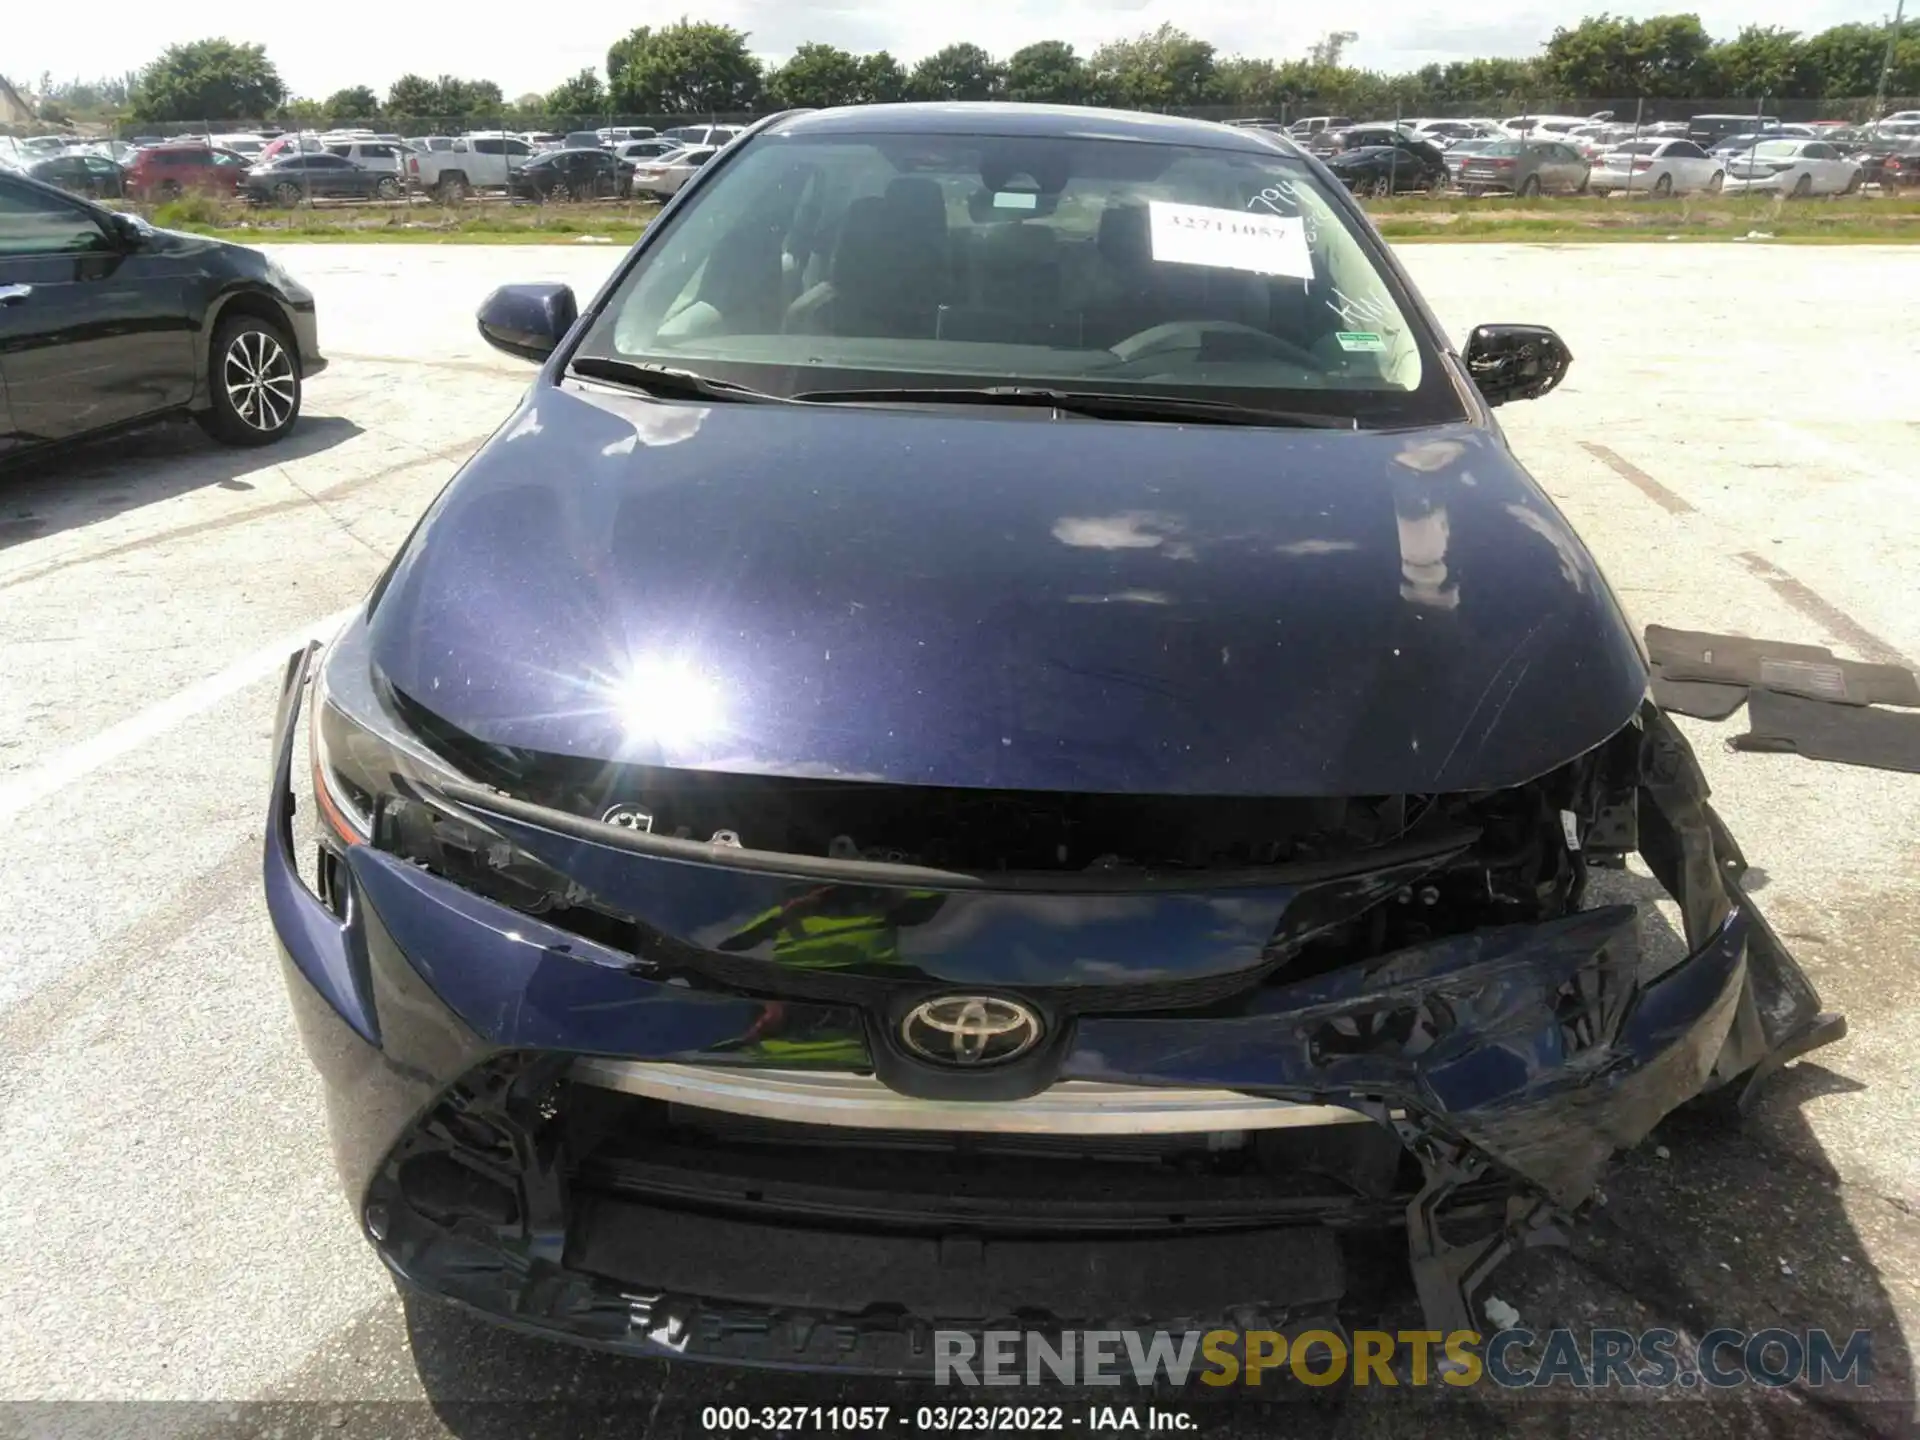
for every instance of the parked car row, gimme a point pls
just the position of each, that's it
(1388, 160)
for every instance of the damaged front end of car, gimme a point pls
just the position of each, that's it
(653, 1082)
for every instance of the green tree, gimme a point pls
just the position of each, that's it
(1161, 68)
(817, 76)
(883, 79)
(468, 99)
(303, 113)
(1845, 61)
(209, 80)
(413, 95)
(1327, 50)
(579, 97)
(356, 102)
(959, 72)
(1606, 56)
(1764, 60)
(1252, 84)
(1047, 73)
(687, 68)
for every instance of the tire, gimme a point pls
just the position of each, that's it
(1719, 179)
(1530, 188)
(169, 189)
(1803, 187)
(452, 189)
(286, 193)
(388, 188)
(253, 383)
(1853, 184)
(1663, 187)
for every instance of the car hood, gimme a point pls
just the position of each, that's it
(1005, 599)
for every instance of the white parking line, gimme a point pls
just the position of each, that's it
(75, 762)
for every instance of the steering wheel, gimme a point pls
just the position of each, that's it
(1177, 335)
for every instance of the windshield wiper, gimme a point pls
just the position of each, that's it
(665, 380)
(1099, 404)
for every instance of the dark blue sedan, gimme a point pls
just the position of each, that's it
(1001, 734)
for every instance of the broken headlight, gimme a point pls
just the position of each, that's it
(376, 784)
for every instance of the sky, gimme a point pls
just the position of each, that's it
(522, 50)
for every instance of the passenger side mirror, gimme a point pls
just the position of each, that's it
(1516, 362)
(528, 320)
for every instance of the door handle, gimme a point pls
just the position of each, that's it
(14, 294)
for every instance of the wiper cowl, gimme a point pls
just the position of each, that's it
(1095, 404)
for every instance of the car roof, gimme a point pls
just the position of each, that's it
(987, 118)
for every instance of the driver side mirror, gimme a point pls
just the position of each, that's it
(1516, 362)
(128, 231)
(528, 320)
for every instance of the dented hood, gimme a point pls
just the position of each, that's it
(1005, 599)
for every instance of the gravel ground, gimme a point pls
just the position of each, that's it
(1736, 442)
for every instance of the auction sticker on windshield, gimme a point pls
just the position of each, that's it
(1229, 239)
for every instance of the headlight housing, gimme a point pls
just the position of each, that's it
(375, 783)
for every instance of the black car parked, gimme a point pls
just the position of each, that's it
(1391, 169)
(91, 175)
(293, 179)
(572, 175)
(106, 321)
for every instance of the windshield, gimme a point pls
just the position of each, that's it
(875, 261)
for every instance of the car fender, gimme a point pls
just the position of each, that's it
(217, 309)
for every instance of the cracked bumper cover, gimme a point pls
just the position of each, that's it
(1510, 1062)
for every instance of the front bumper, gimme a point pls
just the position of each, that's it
(528, 1125)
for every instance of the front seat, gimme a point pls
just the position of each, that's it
(888, 274)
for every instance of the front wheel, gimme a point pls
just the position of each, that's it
(1719, 179)
(254, 376)
(1803, 187)
(1663, 187)
(286, 193)
(388, 188)
(1530, 188)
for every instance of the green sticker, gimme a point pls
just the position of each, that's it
(1359, 340)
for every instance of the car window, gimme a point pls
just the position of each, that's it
(1817, 150)
(1686, 150)
(487, 147)
(191, 157)
(943, 259)
(517, 147)
(1778, 149)
(36, 224)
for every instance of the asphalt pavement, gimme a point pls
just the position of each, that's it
(1738, 443)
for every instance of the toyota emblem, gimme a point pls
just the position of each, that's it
(970, 1030)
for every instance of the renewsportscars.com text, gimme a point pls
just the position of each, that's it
(1512, 1359)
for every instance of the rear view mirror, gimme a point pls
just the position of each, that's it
(1516, 362)
(528, 320)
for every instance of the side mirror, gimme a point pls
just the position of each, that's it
(130, 232)
(528, 320)
(1516, 362)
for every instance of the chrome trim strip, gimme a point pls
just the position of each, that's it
(1073, 1107)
